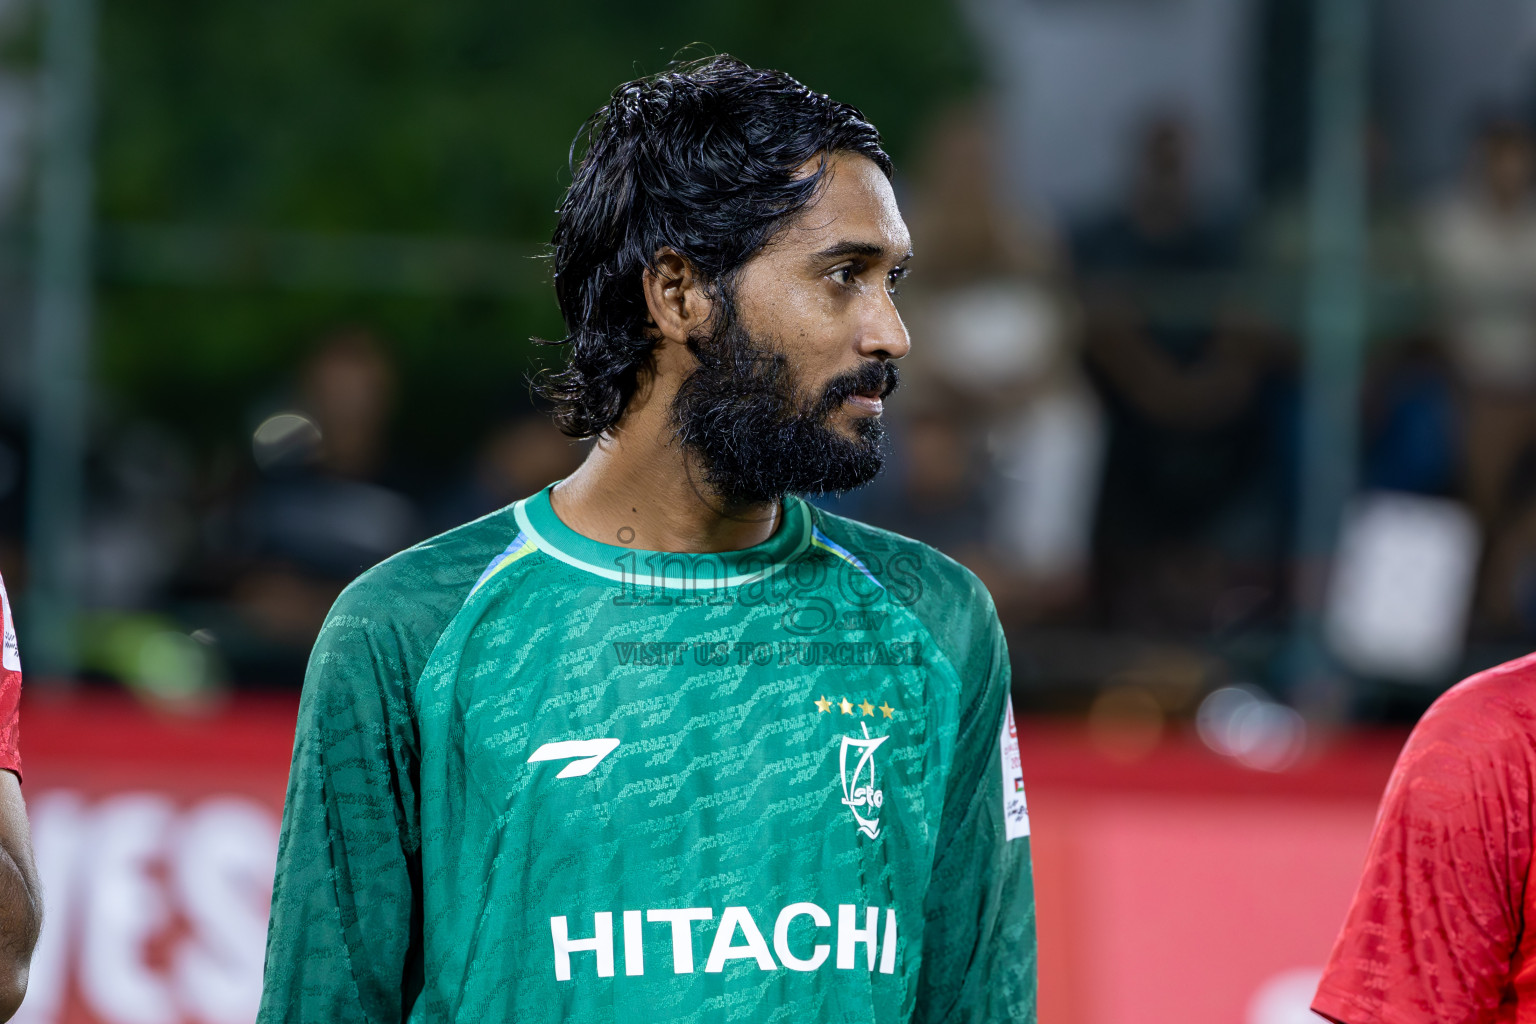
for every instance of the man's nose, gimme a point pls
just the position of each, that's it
(884, 335)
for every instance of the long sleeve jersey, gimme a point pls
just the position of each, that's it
(542, 778)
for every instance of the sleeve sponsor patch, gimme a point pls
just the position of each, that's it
(10, 654)
(1015, 808)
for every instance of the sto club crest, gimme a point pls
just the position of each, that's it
(859, 793)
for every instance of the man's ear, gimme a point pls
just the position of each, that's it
(676, 296)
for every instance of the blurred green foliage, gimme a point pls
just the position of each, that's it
(410, 118)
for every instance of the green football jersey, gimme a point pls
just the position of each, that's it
(542, 778)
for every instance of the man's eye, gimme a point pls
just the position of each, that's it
(893, 280)
(844, 275)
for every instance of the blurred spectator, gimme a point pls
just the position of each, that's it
(1000, 435)
(326, 506)
(520, 457)
(937, 489)
(1412, 430)
(138, 528)
(321, 510)
(1480, 245)
(1189, 505)
(1480, 248)
(1161, 226)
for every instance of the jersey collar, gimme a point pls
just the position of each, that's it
(669, 569)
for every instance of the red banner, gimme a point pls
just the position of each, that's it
(1179, 888)
(156, 838)
(1184, 887)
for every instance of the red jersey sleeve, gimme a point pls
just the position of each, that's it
(10, 688)
(1433, 930)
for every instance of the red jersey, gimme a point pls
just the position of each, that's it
(10, 688)
(1437, 931)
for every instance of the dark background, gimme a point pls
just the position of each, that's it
(339, 210)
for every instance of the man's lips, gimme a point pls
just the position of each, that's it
(869, 405)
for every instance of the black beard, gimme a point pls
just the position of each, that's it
(756, 436)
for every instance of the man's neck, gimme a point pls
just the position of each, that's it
(639, 489)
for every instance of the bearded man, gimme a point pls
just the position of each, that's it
(664, 742)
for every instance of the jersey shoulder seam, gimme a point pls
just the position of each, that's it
(391, 577)
(848, 529)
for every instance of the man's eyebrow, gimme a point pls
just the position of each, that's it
(853, 248)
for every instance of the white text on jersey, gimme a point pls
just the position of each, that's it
(805, 919)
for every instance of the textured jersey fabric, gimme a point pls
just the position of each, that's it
(10, 689)
(540, 778)
(1437, 931)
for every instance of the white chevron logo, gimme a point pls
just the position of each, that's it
(590, 752)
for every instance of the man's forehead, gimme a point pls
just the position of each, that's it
(855, 204)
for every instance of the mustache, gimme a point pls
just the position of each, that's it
(871, 378)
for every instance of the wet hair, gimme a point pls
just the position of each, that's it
(701, 159)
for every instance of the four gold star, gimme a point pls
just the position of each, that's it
(846, 706)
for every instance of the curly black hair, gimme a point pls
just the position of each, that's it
(701, 159)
